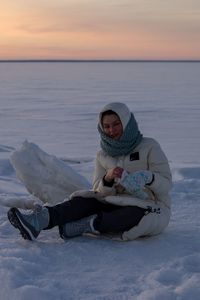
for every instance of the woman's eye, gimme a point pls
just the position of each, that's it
(106, 127)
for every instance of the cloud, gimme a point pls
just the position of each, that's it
(90, 26)
(63, 19)
(104, 17)
(89, 15)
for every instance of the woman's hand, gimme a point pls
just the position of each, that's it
(113, 174)
(136, 181)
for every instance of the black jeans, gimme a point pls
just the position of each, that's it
(110, 217)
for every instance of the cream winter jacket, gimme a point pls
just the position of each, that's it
(148, 155)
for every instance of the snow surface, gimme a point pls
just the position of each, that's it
(55, 106)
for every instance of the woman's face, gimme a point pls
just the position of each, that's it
(112, 126)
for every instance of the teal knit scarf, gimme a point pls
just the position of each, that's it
(130, 138)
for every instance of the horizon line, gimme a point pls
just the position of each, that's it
(94, 60)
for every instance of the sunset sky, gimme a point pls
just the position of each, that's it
(100, 29)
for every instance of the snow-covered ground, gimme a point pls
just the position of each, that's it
(56, 106)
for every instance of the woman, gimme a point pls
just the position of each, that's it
(131, 185)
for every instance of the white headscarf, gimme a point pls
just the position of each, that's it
(120, 109)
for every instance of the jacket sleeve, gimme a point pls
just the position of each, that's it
(159, 166)
(98, 184)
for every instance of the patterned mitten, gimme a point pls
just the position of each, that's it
(134, 183)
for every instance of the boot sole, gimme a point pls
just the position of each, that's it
(17, 223)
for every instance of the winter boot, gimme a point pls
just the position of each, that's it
(30, 224)
(78, 227)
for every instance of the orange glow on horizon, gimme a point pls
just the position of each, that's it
(88, 30)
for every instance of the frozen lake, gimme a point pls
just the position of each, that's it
(56, 105)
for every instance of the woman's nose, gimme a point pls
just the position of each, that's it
(111, 129)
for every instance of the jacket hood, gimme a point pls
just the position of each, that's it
(120, 109)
